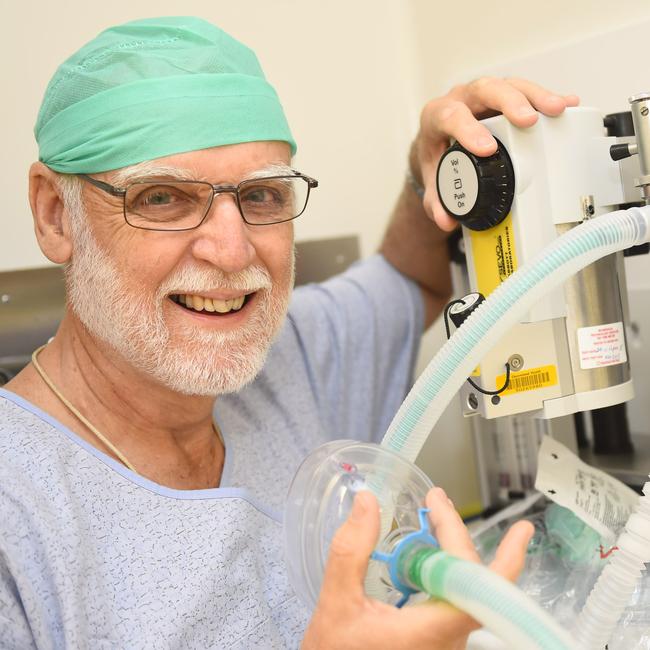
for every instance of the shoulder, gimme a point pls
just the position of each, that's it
(372, 275)
(27, 445)
(21, 423)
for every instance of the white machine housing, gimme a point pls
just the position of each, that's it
(569, 353)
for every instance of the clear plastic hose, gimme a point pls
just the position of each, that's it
(455, 361)
(490, 599)
(618, 579)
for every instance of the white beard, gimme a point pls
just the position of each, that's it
(195, 361)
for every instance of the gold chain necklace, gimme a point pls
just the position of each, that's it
(122, 458)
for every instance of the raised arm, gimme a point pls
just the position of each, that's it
(415, 240)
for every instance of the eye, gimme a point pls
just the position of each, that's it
(261, 194)
(157, 197)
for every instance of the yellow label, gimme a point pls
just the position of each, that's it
(495, 258)
(532, 379)
(476, 372)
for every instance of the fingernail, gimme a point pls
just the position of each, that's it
(358, 507)
(484, 141)
(525, 111)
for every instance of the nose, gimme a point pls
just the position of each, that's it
(223, 238)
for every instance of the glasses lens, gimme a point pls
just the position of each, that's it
(167, 206)
(272, 200)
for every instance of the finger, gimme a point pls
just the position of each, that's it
(432, 621)
(351, 547)
(448, 527)
(543, 99)
(572, 100)
(434, 209)
(492, 94)
(442, 219)
(447, 117)
(511, 553)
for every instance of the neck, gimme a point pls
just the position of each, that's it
(167, 436)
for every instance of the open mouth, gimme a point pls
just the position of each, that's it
(211, 306)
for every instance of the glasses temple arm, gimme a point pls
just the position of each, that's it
(107, 187)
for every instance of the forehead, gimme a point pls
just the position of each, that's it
(224, 163)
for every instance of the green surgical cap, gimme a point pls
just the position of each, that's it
(152, 88)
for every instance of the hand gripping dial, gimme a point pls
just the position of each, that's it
(477, 191)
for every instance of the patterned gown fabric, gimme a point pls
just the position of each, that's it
(95, 556)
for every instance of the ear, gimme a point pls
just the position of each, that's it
(51, 220)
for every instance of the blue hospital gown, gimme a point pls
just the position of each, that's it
(95, 556)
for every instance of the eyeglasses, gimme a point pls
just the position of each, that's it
(184, 205)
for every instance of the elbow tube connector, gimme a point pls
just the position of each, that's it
(454, 362)
(486, 596)
(417, 564)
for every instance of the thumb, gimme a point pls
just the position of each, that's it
(351, 547)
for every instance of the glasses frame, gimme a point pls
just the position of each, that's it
(216, 189)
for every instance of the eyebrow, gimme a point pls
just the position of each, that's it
(274, 169)
(147, 170)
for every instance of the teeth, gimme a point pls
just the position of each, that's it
(199, 303)
(221, 306)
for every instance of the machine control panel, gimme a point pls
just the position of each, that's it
(477, 191)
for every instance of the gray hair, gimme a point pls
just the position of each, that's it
(70, 187)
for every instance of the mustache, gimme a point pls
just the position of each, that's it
(193, 280)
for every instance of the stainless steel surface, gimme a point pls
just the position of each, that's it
(32, 302)
(640, 107)
(320, 259)
(593, 297)
(630, 172)
(638, 339)
(638, 97)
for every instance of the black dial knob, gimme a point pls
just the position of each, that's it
(477, 191)
(460, 311)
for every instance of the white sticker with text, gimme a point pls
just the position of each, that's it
(601, 345)
(600, 500)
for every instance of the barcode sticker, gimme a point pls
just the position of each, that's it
(532, 379)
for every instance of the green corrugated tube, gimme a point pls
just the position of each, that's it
(493, 601)
(502, 309)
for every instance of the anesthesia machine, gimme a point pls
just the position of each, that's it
(541, 331)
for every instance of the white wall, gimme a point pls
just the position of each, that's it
(341, 70)
(457, 41)
(351, 75)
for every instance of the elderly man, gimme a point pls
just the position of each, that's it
(137, 512)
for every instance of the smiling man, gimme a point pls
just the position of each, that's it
(136, 510)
